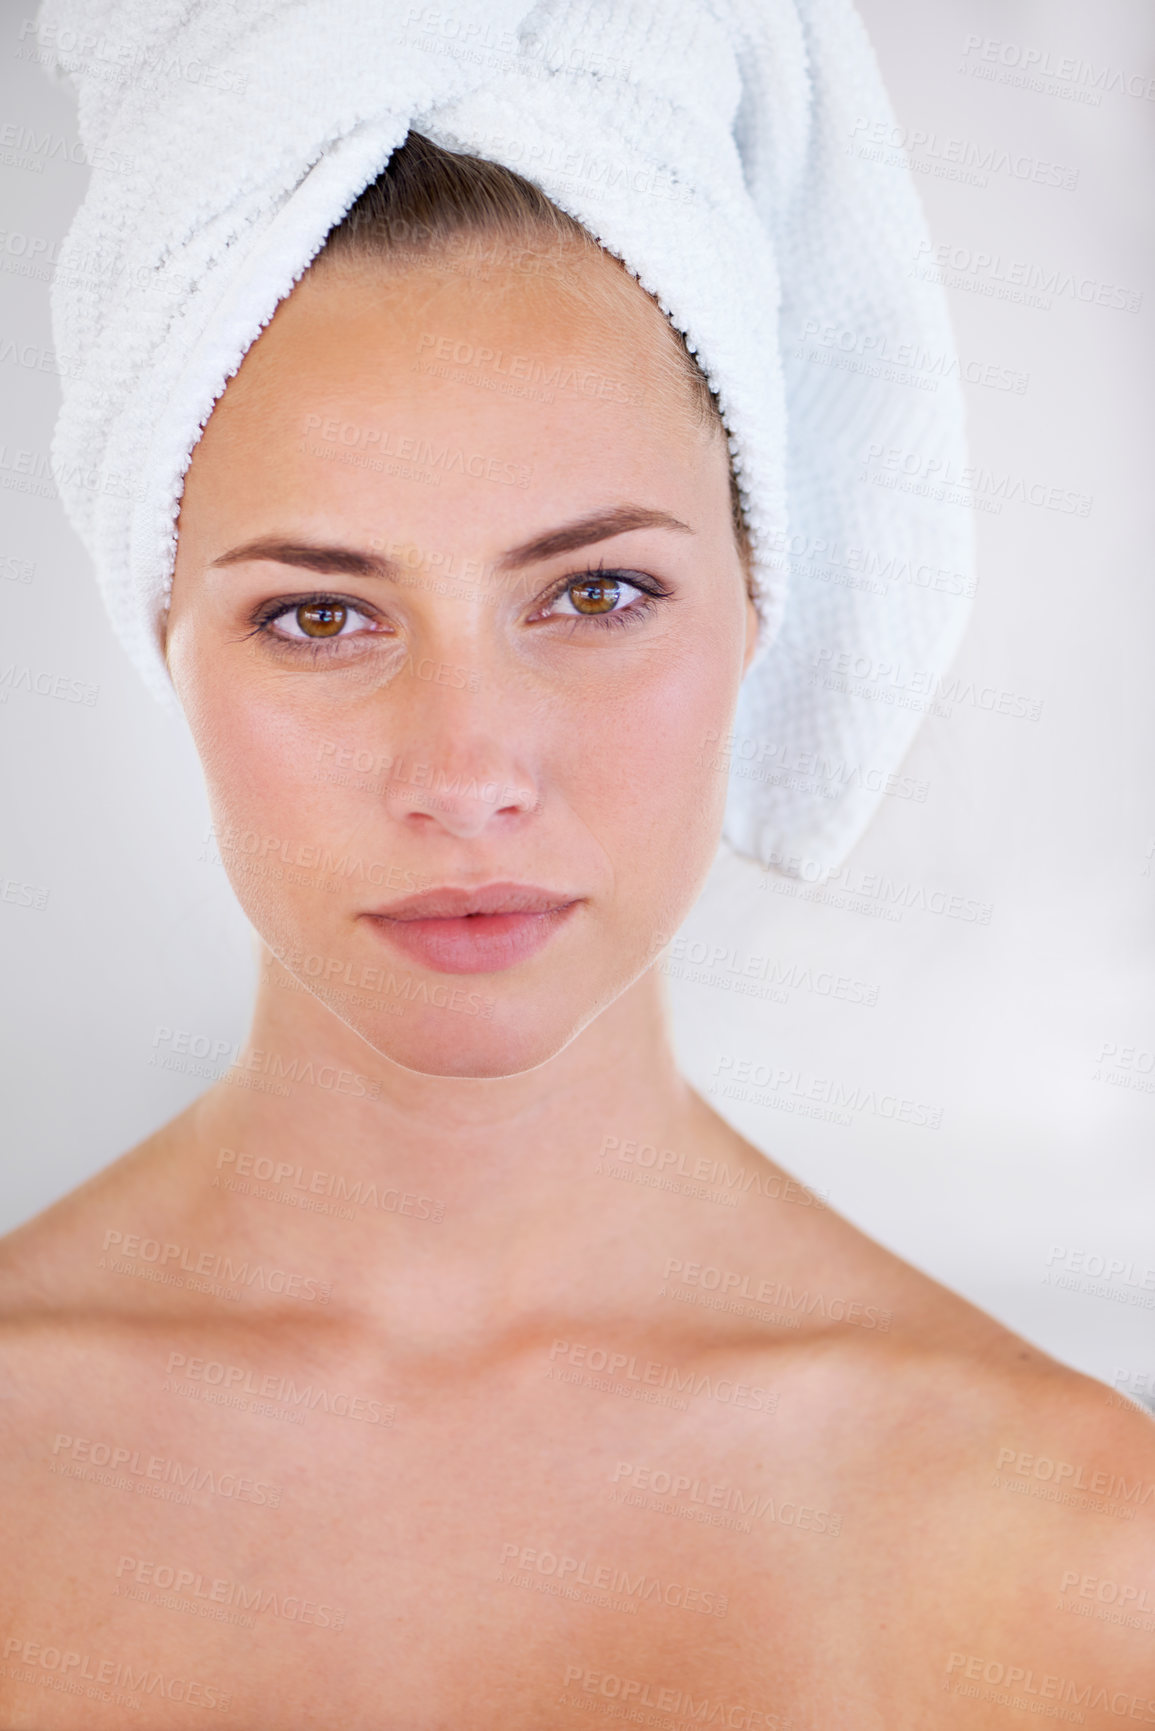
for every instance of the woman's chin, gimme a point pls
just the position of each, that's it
(508, 1041)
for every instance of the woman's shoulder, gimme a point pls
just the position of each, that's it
(1000, 1504)
(939, 1378)
(1034, 1489)
(1003, 1501)
(922, 1412)
(60, 1263)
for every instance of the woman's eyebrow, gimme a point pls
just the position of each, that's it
(345, 561)
(351, 562)
(584, 531)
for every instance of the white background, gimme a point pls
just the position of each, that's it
(1052, 823)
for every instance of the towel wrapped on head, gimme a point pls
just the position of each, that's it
(712, 145)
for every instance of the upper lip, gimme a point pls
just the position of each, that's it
(449, 903)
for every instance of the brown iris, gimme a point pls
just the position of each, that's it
(595, 594)
(321, 618)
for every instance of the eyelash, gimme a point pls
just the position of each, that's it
(649, 588)
(650, 592)
(265, 617)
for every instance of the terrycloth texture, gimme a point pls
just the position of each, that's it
(710, 144)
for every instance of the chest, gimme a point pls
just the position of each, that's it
(503, 1550)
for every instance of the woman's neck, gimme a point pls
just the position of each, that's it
(498, 1194)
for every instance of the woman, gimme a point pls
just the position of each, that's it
(380, 1403)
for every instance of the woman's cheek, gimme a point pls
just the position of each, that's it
(261, 752)
(648, 774)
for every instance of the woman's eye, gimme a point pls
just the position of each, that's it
(595, 592)
(316, 620)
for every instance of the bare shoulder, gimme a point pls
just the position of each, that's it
(978, 1416)
(1035, 1492)
(67, 1318)
(1002, 1508)
(51, 1262)
(1001, 1503)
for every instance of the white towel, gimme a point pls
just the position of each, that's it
(720, 148)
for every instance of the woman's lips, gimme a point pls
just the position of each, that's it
(483, 931)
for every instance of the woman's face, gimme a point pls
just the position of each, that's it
(457, 607)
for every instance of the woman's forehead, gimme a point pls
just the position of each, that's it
(408, 406)
(368, 362)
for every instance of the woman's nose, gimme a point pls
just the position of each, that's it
(459, 763)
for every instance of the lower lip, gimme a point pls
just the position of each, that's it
(476, 944)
